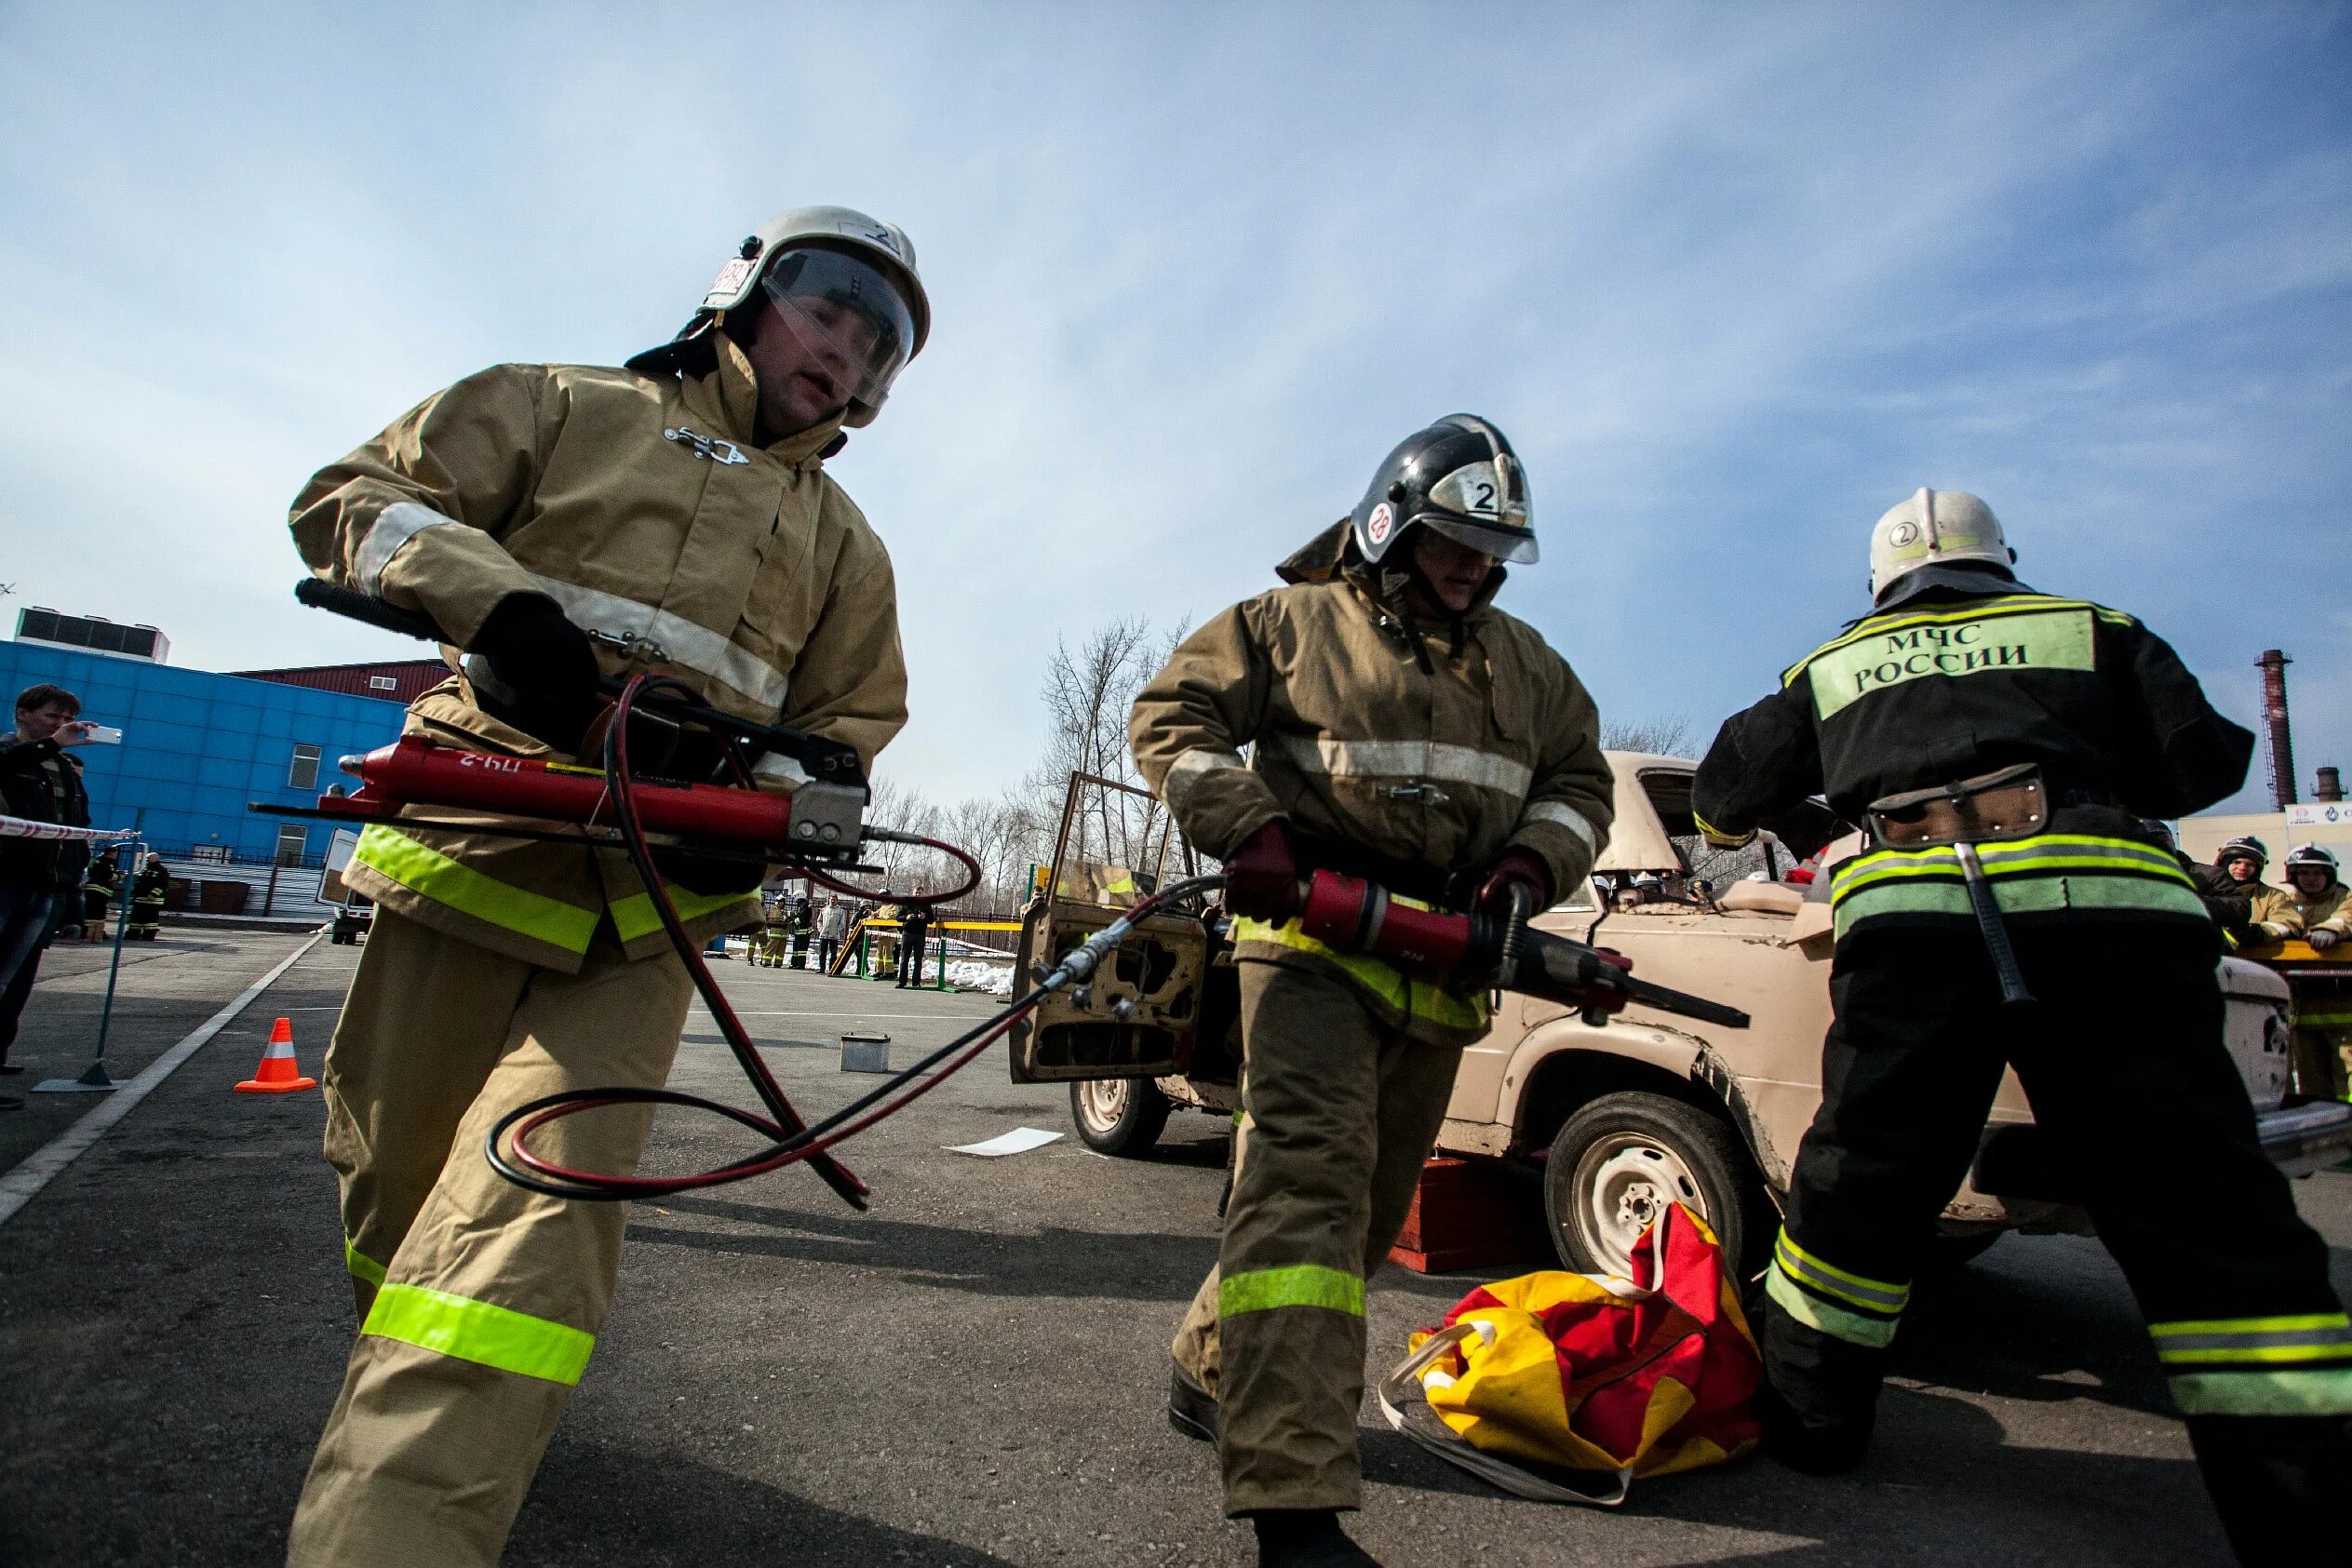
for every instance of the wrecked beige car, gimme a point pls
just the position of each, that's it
(1647, 1107)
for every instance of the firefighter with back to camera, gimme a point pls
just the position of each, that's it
(561, 523)
(2008, 909)
(1405, 731)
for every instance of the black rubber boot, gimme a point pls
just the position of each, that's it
(1192, 1408)
(2277, 1481)
(1820, 1402)
(1306, 1538)
(1813, 1448)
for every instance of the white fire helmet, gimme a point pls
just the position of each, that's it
(835, 277)
(1934, 528)
(2311, 857)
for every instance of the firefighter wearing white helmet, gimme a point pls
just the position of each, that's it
(2002, 747)
(1935, 539)
(1400, 728)
(2319, 896)
(2323, 1033)
(561, 523)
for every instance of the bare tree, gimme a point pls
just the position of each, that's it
(1088, 693)
(1666, 736)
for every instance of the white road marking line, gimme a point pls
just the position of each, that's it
(18, 1186)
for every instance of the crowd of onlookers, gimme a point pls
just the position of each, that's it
(902, 931)
(2310, 906)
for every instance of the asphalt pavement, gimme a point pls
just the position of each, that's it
(972, 1373)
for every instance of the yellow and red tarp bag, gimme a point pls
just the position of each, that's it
(1588, 1372)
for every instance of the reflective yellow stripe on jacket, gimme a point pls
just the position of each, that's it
(428, 873)
(1406, 996)
(2047, 872)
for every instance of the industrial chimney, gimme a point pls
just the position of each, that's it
(2273, 664)
(2330, 785)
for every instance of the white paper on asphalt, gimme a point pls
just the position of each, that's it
(1020, 1141)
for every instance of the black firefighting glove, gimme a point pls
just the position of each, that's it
(1516, 870)
(545, 667)
(1261, 876)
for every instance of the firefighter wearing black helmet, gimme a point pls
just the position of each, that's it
(1403, 730)
(2001, 745)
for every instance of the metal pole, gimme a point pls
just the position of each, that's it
(94, 1079)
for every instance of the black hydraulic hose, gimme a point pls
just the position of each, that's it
(619, 780)
(789, 1146)
(792, 1140)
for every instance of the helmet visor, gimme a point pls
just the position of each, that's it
(847, 314)
(1485, 505)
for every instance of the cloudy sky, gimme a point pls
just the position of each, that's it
(1734, 279)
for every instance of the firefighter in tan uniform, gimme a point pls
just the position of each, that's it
(1406, 730)
(559, 522)
(2322, 915)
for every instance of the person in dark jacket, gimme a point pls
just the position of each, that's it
(37, 783)
(2021, 917)
(914, 933)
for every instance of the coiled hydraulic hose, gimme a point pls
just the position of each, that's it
(791, 1140)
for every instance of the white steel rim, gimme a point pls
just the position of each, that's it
(1623, 1182)
(1102, 1101)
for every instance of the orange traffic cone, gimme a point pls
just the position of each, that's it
(277, 1074)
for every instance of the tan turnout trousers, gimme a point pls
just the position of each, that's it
(1341, 1113)
(479, 1301)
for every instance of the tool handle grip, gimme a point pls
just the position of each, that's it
(319, 594)
(1564, 971)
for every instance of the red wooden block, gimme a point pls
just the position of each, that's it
(1471, 1213)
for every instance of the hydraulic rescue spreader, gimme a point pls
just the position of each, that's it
(816, 832)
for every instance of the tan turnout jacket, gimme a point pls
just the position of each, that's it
(2329, 912)
(642, 506)
(1379, 736)
(2272, 911)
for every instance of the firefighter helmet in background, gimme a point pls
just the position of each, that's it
(837, 280)
(2246, 847)
(2310, 857)
(1934, 528)
(1458, 477)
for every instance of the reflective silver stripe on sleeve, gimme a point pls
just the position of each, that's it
(394, 527)
(772, 766)
(1186, 769)
(1564, 816)
(675, 639)
(1409, 759)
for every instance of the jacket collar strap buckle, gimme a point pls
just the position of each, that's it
(725, 453)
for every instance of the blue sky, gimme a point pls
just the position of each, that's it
(1734, 279)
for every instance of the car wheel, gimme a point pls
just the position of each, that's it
(1621, 1160)
(1118, 1116)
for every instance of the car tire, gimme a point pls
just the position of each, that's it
(1122, 1117)
(1617, 1162)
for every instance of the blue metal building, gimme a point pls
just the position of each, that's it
(196, 747)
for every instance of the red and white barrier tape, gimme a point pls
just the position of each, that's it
(18, 827)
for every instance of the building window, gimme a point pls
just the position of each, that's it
(383, 683)
(293, 840)
(303, 774)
